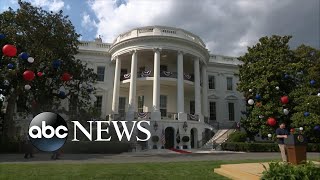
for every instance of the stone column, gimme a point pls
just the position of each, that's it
(156, 81)
(116, 86)
(156, 115)
(204, 91)
(133, 81)
(197, 97)
(180, 87)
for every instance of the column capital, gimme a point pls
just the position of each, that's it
(181, 52)
(157, 49)
(134, 51)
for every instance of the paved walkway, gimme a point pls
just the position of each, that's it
(158, 156)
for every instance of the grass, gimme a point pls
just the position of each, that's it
(172, 170)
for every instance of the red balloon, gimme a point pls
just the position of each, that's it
(284, 99)
(271, 121)
(9, 50)
(39, 74)
(28, 75)
(66, 77)
(292, 130)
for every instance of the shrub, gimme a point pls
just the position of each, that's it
(185, 138)
(155, 139)
(287, 171)
(237, 136)
(261, 147)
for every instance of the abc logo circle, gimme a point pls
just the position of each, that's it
(48, 131)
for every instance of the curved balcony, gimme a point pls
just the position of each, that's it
(159, 31)
(166, 74)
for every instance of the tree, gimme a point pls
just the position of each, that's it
(270, 70)
(49, 38)
(306, 95)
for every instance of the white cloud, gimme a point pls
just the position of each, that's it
(226, 27)
(68, 7)
(87, 23)
(52, 5)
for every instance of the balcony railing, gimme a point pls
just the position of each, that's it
(192, 117)
(169, 116)
(167, 74)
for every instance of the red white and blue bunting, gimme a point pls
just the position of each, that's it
(142, 114)
(127, 76)
(145, 73)
(167, 73)
(187, 76)
(193, 117)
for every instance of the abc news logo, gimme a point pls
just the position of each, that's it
(49, 131)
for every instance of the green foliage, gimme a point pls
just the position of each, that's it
(237, 136)
(291, 172)
(270, 64)
(45, 36)
(261, 147)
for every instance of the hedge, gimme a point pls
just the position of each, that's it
(74, 147)
(261, 147)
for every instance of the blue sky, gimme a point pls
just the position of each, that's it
(227, 27)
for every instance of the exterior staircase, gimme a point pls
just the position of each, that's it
(220, 137)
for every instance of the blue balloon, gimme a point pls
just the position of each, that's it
(56, 64)
(306, 114)
(258, 97)
(2, 36)
(317, 128)
(286, 76)
(62, 94)
(10, 66)
(312, 82)
(24, 55)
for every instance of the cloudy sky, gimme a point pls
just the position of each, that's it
(226, 26)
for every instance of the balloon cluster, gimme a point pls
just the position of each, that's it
(28, 75)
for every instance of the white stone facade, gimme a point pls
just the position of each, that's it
(165, 75)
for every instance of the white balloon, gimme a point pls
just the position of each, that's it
(277, 88)
(286, 111)
(318, 94)
(269, 135)
(93, 97)
(27, 87)
(30, 59)
(301, 128)
(250, 90)
(62, 89)
(261, 116)
(250, 101)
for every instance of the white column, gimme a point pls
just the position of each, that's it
(133, 81)
(156, 81)
(197, 97)
(204, 91)
(180, 83)
(116, 86)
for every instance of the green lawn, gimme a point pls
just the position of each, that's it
(173, 170)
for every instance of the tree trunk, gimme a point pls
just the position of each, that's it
(9, 130)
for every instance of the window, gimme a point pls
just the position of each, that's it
(100, 73)
(212, 84)
(141, 69)
(213, 111)
(122, 105)
(140, 103)
(98, 103)
(163, 105)
(231, 111)
(163, 68)
(123, 72)
(229, 84)
(192, 107)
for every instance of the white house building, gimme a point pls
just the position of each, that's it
(165, 75)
